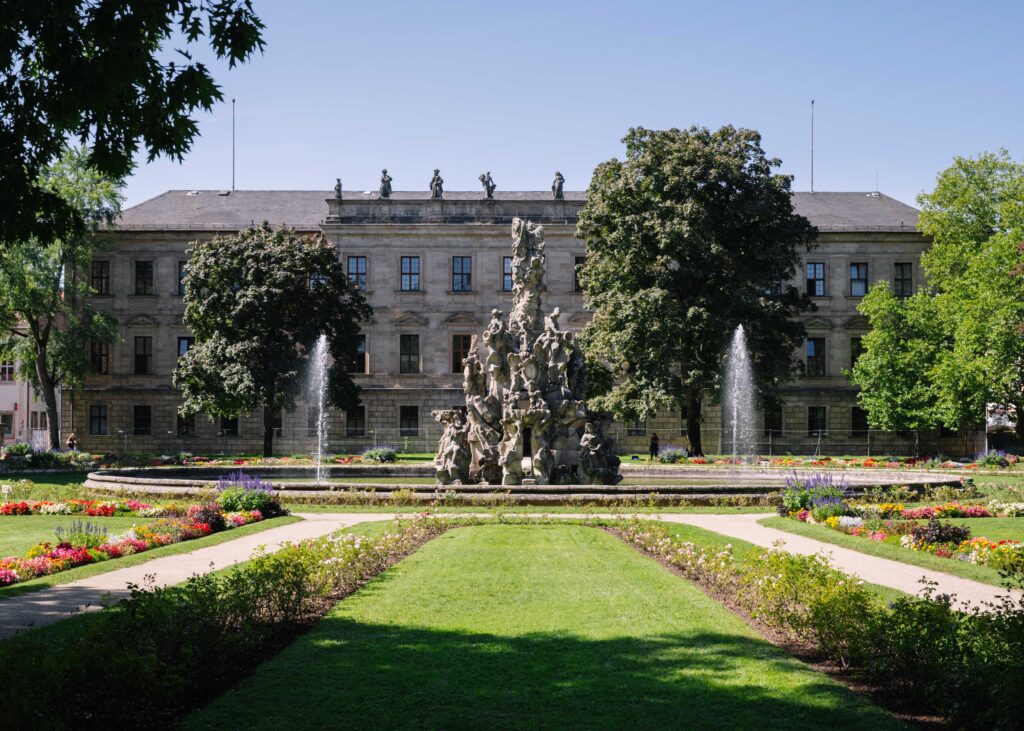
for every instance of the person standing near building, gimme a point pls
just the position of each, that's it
(654, 446)
(72, 442)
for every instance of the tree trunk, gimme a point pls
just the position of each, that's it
(693, 421)
(1019, 426)
(49, 394)
(268, 432)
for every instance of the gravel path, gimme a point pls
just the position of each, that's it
(52, 604)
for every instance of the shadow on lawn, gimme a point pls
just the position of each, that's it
(354, 675)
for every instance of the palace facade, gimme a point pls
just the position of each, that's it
(433, 269)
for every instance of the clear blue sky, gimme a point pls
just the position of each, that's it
(524, 88)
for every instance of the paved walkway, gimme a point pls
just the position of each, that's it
(52, 604)
(872, 569)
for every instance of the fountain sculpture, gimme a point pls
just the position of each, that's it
(525, 420)
(318, 389)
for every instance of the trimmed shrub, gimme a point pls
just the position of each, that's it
(380, 455)
(239, 491)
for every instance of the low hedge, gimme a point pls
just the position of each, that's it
(967, 666)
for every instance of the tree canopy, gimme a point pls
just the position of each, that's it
(256, 302)
(689, 236)
(965, 329)
(99, 71)
(46, 321)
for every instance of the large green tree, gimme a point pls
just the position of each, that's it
(46, 322)
(689, 236)
(257, 302)
(100, 71)
(967, 324)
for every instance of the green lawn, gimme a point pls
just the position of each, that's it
(82, 572)
(994, 528)
(546, 626)
(18, 533)
(389, 508)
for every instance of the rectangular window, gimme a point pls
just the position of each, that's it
(815, 356)
(816, 279)
(578, 264)
(229, 426)
(637, 428)
(816, 421)
(355, 422)
(6, 372)
(858, 423)
(506, 274)
(37, 420)
(856, 350)
(312, 424)
(99, 277)
(98, 420)
(6, 426)
(903, 279)
(277, 423)
(186, 425)
(143, 355)
(182, 271)
(410, 266)
(357, 363)
(408, 421)
(185, 344)
(462, 274)
(946, 432)
(143, 277)
(858, 280)
(460, 349)
(357, 271)
(409, 354)
(142, 420)
(773, 420)
(99, 357)
(684, 427)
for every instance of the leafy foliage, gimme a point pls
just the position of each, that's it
(46, 321)
(689, 236)
(256, 302)
(98, 71)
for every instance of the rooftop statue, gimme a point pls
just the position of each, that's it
(488, 183)
(525, 414)
(385, 184)
(556, 187)
(337, 190)
(437, 184)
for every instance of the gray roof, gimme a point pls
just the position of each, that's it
(306, 209)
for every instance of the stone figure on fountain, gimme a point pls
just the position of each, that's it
(525, 416)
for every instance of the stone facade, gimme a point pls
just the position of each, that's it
(433, 270)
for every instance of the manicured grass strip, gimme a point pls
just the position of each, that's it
(387, 507)
(822, 533)
(103, 567)
(18, 533)
(534, 626)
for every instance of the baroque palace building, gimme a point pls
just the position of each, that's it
(433, 269)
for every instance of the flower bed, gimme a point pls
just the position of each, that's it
(92, 508)
(87, 544)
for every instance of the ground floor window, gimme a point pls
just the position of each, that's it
(816, 425)
(408, 421)
(858, 423)
(98, 425)
(637, 428)
(773, 420)
(6, 425)
(355, 422)
(684, 414)
(229, 426)
(142, 421)
(37, 421)
(186, 426)
(276, 423)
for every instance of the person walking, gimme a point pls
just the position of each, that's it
(72, 442)
(654, 446)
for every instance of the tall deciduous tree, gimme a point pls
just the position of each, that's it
(45, 319)
(689, 236)
(968, 323)
(99, 71)
(256, 303)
